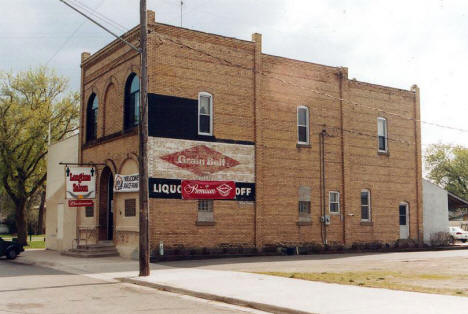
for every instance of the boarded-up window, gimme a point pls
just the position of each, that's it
(205, 210)
(304, 203)
(130, 207)
(89, 211)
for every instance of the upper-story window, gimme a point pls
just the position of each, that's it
(365, 205)
(302, 125)
(132, 102)
(382, 134)
(91, 117)
(205, 114)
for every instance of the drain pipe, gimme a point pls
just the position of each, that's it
(322, 185)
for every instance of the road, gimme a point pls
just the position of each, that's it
(34, 289)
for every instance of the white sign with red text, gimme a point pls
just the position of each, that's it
(80, 182)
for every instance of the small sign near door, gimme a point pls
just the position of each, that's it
(127, 183)
(80, 203)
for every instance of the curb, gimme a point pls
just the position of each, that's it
(213, 297)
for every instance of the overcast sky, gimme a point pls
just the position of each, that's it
(394, 43)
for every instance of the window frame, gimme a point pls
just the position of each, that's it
(205, 215)
(307, 142)
(369, 207)
(406, 204)
(330, 202)
(205, 94)
(95, 112)
(385, 135)
(127, 212)
(130, 119)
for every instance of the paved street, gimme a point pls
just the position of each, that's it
(34, 289)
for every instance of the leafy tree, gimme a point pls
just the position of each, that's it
(34, 105)
(448, 167)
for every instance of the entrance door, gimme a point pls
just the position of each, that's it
(404, 224)
(106, 213)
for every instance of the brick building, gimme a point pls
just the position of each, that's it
(315, 157)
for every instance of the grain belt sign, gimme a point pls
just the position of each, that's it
(80, 183)
(225, 166)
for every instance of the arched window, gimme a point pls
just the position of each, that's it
(132, 102)
(92, 118)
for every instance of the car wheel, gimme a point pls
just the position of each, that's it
(463, 240)
(11, 254)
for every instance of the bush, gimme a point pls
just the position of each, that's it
(440, 239)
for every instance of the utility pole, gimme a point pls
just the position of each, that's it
(143, 139)
(142, 130)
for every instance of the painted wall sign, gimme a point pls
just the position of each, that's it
(127, 183)
(215, 190)
(80, 203)
(201, 160)
(172, 189)
(196, 160)
(80, 182)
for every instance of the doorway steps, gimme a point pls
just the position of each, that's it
(101, 249)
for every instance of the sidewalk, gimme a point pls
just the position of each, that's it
(266, 293)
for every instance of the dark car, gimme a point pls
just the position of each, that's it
(10, 249)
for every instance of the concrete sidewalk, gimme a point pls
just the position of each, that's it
(268, 293)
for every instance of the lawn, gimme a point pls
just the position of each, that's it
(418, 282)
(34, 242)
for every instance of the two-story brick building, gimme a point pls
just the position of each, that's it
(313, 156)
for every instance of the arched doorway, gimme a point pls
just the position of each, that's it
(106, 213)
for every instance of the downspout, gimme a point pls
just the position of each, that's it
(343, 186)
(322, 185)
(417, 157)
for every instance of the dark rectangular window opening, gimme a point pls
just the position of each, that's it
(89, 211)
(402, 215)
(130, 207)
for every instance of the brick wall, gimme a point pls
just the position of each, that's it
(255, 98)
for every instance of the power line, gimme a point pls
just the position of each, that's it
(230, 63)
(69, 38)
(99, 16)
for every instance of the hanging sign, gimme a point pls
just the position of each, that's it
(126, 183)
(80, 203)
(215, 190)
(80, 182)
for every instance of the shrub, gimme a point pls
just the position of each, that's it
(440, 239)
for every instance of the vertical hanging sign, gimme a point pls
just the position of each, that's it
(80, 185)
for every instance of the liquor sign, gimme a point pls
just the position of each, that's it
(172, 189)
(127, 183)
(80, 182)
(214, 190)
(80, 203)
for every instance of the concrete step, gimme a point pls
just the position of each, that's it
(89, 254)
(100, 249)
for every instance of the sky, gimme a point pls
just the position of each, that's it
(393, 43)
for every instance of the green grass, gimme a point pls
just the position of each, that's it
(37, 241)
(382, 279)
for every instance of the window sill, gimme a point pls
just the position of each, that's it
(334, 213)
(205, 223)
(387, 153)
(304, 223)
(367, 223)
(303, 145)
